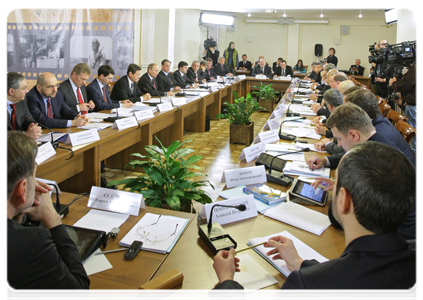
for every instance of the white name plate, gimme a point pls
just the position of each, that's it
(45, 151)
(282, 107)
(272, 124)
(252, 152)
(116, 201)
(277, 113)
(125, 123)
(179, 101)
(246, 176)
(165, 106)
(267, 137)
(226, 215)
(261, 76)
(83, 137)
(242, 77)
(50, 183)
(143, 114)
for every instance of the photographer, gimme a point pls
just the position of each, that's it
(380, 71)
(407, 87)
(210, 50)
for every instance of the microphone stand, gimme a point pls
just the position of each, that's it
(53, 143)
(61, 209)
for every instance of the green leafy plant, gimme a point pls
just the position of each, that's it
(240, 111)
(167, 180)
(265, 92)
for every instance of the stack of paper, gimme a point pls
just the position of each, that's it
(299, 216)
(304, 251)
(123, 111)
(303, 132)
(302, 169)
(301, 109)
(141, 106)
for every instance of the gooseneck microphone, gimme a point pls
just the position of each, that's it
(53, 143)
(240, 207)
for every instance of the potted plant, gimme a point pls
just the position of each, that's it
(167, 181)
(266, 96)
(239, 113)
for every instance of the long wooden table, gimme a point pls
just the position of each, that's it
(125, 274)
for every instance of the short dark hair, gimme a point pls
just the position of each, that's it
(14, 80)
(283, 61)
(352, 89)
(366, 100)
(381, 182)
(280, 58)
(244, 55)
(348, 117)
(105, 70)
(165, 61)
(334, 97)
(209, 59)
(331, 48)
(133, 68)
(21, 153)
(182, 64)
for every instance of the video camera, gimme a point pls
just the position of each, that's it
(209, 43)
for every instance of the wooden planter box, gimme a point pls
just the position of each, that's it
(266, 104)
(241, 134)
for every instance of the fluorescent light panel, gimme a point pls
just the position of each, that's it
(216, 19)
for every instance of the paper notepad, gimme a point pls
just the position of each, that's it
(252, 276)
(304, 251)
(166, 231)
(299, 216)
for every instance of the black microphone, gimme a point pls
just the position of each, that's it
(285, 153)
(61, 209)
(53, 143)
(280, 127)
(291, 114)
(240, 207)
(112, 119)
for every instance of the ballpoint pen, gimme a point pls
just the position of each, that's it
(110, 251)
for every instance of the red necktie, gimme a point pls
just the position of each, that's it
(104, 94)
(154, 83)
(80, 100)
(208, 70)
(13, 116)
(49, 109)
(196, 77)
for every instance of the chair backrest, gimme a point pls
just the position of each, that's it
(384, 107)
(111, 85)
(394, 116)
(406, 130)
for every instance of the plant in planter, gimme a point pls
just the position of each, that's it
(167, 181)
(266, 96)
(239, 115)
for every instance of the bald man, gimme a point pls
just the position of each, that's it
(47, 106)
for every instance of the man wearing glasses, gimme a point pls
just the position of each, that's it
(19, 117)
(46, 104)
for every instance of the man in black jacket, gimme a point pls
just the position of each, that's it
(262, 68)
(148, 82)
(221, 68)
(376, 256)
(357, 69)
(181, 77)
(126, 87)
(165, 80)
(38, 257)
(245, 64)
(283, 70)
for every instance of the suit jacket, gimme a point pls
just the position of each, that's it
(221, 70)
(210, 73)
(61, 111)
(23, 117)
(257, 70)
(69, 96)
(146, 86)
(274, 66)
(360, 70)
(180, 80)
(164, 82)
(122, 91)
(288, 71)
(191, 75)
(38, 258)
(383, 261)
(332, 60)
(247, 65)
(95, 93)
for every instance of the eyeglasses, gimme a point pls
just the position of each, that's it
(147, 234)
(50, 87)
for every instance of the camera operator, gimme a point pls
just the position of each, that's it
(210, 50)
(380, 70)
(407, 87)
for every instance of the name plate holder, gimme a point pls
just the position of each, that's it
(278, 112)
(245, 176)
(164, 107)
(143, 114)
(252, 152)
(125, 123)
(179, 101)
(272, 124)
(267, 137)
(45, 151)
(83, 137)
(116, 201)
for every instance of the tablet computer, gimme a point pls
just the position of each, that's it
(304, 190)
(86, 240)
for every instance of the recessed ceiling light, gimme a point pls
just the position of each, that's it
(284, 15)
(249, 15)
(321, 15)
(360, 15)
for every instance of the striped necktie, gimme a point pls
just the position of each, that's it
(80, 100)
(13, 116)
(49, 109)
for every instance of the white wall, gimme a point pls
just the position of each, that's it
(406, 29)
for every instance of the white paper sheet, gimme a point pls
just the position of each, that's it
(252, 276)
(101, 220)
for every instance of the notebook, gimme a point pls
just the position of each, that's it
(164, 230)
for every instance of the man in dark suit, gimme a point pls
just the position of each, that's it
(148, 82)
(181, 77)
(221, 68)
(277, 64)
(376, 256)
(98, 91)
(165, 80)
(74, 92)
(38, 257)
(18, 115)
(245, 64)
(126, 87)
(194, 74)
(262, 68)
(283, 70)
(46, 104)
(209, 72)
(356, 69)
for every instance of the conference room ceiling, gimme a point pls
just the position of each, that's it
(307, 14)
